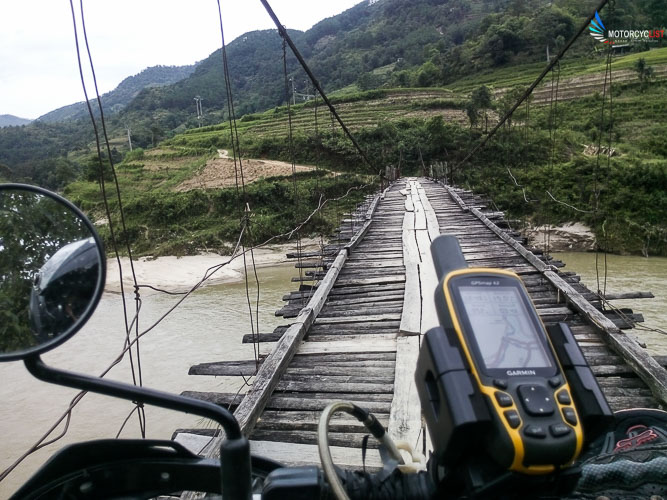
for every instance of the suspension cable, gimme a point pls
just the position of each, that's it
(292, 155)
(596, 189)
(315, 82)
(140, 413)
(244, 206)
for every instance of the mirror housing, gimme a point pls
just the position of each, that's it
(52, 270)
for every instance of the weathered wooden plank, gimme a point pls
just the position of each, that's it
(349, 357)
(431, 220)
(371, 301)
(420, 216)
(355, 319)
(340, 378)
(374, 264)
(291, 454)
(344, 346)
(428, 280)
(622, 402)
(370, 256)
(228, 368)
(354, 328)
(370, 281)
(409, 207)
(353, 439)
(344, 370)
(368, 337)
(358, 362)
(308, 420)
(405, 416)
(319, 386)
(381, 308)
(411, 312)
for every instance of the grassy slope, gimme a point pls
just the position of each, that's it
(631, 199)
(163, 221)
(632, 206)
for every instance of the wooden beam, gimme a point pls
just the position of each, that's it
(411, 314)
(293, 454)
(405, 421)
(428, 282)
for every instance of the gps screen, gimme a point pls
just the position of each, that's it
(502, 328)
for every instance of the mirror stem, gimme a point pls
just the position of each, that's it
(235, 450)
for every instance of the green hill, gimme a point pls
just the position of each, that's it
(419, 127)
(404, 77)
(12, 121)
(122, 95)
(374, 45)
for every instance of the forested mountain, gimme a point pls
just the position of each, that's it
(12, 121)
(126, 90)
(391, 43)
(376, 44)
(255, 63)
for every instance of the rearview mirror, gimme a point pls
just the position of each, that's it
(52, 270)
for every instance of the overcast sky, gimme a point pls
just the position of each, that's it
(38, 67)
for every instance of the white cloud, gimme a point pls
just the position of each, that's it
(38, 69)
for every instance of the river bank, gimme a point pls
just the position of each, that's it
(572, 237)
(178, 274)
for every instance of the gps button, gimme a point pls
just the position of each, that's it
(536, 431)
(558, 430)
(563, 397)
(536, 399)
(512, 418)
(570, 416)
(500, 383)
(503, 399)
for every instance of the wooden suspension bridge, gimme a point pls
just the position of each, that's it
(355, 333)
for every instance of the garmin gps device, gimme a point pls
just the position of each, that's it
(494, 383)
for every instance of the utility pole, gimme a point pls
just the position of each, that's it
(293, 91)
(302, 97)
(129, 136)
(200, 112)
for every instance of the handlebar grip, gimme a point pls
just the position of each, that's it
(388, 486)
(309, 482)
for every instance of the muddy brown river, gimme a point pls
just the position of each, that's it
(208, 327)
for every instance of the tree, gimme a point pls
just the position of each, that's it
(403, 78)
(428, 75)
(368, 81)
(644, 72)
(481, 100)
(472, 112)
(507, 101)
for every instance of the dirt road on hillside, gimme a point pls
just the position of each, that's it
(220, 172)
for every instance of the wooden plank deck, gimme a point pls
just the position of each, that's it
(355, 335)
